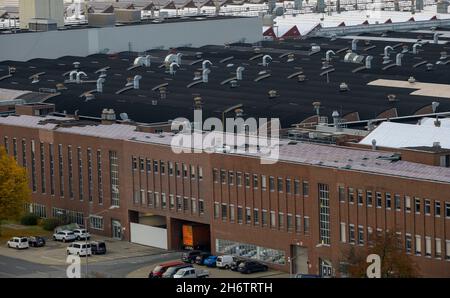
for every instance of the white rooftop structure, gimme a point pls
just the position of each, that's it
(400, 135)
(445, 122)
(330, 156)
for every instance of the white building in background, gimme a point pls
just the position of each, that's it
(41, 9)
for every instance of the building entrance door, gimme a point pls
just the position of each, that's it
(326, 268)
(299, 260)
(116, 230)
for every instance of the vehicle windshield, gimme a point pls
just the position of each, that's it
(170, 271)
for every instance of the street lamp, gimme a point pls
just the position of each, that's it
(86, 227)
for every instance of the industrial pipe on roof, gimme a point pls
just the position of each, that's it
(72, 75)
(328, 53)
(436, 38)
(369, 62)
(354, 44)
(239, 71)
(100, 82)
(398, 59)
(178, 58)
(204, 64)
(136, 80)
(172, 71)
(265, 63)
(79, 74)
(415, 52)
(206, 71)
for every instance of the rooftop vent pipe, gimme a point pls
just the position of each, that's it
(411, 80)
(100, 82)
(316, 106)
(328, 53)
(336, 119)
(170, 58)
(415, 51)
(178, 60)
(369, 62)
(72, 75)
(172, 71)
(434, 106)
(398, 59)
(76, 65)
(204, 63)
(354, 44)
(436, 38)
(136, 81)
(79, 74)
(239, 71)
(386, 57)
(374, 144)
(205, 73)
(265, 63)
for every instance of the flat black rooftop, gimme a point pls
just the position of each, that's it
(294, 101)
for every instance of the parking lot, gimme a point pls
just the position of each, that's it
(54, 252)
(214, 273)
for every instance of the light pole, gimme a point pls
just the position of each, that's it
(86, 227)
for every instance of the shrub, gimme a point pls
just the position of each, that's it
(29, 220)
(49, 224)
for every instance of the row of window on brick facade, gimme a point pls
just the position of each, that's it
(356, 236)
(397, 202)
(68, 164)
(260, 181)
(158, 200)
(173, 168)
(263, 217)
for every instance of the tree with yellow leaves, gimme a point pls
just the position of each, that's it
(14, 190)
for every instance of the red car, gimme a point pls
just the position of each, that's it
(158, 271)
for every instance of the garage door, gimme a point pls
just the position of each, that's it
(148, 235)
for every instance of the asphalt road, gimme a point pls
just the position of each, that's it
(16, 268)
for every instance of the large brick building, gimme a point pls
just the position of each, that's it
(311, 206)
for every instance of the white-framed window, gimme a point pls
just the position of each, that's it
(428, 246)
(407, 204)
(447, 249)
(408, 243)
(232, 215)
(351, 233)
(437, 248)
(343, 232)
(193, 205)
(418, 245)
(360, 235)
(163, 200)
(96, 222)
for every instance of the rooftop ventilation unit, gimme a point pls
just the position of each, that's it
(386, 57)
(411, 80)
(392, 98)
(430, 66)
(343, 87)
(415, 50)
(172, 66)
(353, 58)
(205, 63)
(317, 106)
(100, 83)
(266, 60)
(239, 71)
(108, 114)
(354, 44)
(124, 117)
(328, 55)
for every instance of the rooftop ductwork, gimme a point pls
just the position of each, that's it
(100, 83)
(398, 59)
(136, 81)
(411, 80)
(354, 44)
(79, 74)
(108, 115)
(142, 61)
(72, 75)
(369, 62)
(353, 58)
(239, 71)
(172, 70)
(436, 38)
(204, 64)
(170, 59)
(415, 50)
(205, 74)
(386, 57)
(328, 55)
(317, 107)
(265, 61)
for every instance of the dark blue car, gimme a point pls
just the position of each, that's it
(210, 261)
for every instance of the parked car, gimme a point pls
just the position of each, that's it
(171, 271)
(301, 275)
(235, 264)
(210, 261)
(18, 242)
(202, 257)
(64, 236)
(98, 247)
(36, 241)
(224, 261)
(80, 249)
(82, 234)
(189, 256)
(191, 273)
(159, 270)
(251, 267)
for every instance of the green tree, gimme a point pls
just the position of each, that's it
(394, 260)
(14, 190)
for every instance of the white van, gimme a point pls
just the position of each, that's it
(224, 261)
(79, 249)
(18, 242)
